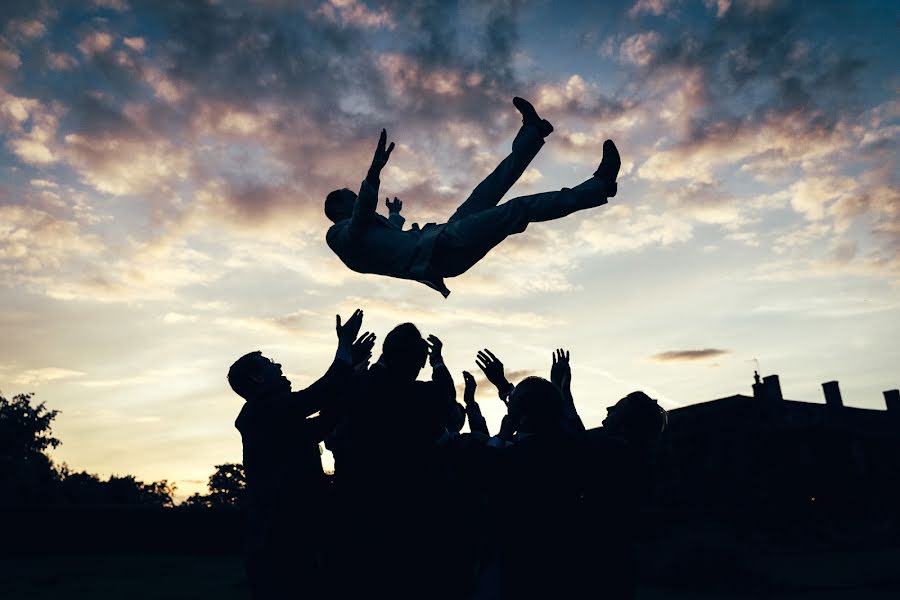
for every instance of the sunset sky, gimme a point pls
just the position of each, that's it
(164, 166)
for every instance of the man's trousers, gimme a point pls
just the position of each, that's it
(479, 223)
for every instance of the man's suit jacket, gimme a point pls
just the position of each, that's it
(369, 243)
(282, 458)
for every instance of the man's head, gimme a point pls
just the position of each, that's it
(254, 376)
(456, 418)
(637, 417)
(537, 406)
(339, 204)
(404, 352)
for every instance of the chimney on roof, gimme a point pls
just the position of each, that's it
(892, 399)
(832, 393)
(772, 387)
(759, 389)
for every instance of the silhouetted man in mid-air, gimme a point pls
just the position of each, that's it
(370, 243)
(285, 481)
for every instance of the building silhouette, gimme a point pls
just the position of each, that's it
(784, 470)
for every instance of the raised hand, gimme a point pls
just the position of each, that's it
(394, 207)
(435, 347)
(347, 332)
(361, 351)
(493, 369)
(382, 154)
(469, 390)
(560, 370)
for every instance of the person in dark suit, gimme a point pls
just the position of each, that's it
(388, 473)
(285, 482)
(369, 243)
(621, 455)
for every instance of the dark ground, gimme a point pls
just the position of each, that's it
(826, 576)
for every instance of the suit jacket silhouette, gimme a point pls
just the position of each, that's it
(282, 457)
(388, 418)
(390, 486)
(369, 243)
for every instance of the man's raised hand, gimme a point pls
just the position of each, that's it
(560, 370)
(347, 332)
(361, 351)
(394, 207)
(435, 346)
(493, 369)
(469, 390)
(382, 154)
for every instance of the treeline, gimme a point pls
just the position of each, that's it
(29, 477)
(50, 509)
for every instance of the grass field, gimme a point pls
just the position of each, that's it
(131, 577)
(185, 577)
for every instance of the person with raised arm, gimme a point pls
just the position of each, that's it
(388, 475)
(367, 242)
(286, 486)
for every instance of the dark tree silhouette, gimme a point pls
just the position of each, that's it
(26, 472)
(226, 487)
(28, 475)
(129, 490)
(84, 488)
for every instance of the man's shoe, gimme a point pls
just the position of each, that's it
(530, 116)
(611, 163)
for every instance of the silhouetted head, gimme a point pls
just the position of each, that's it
(404, 352)
(537, 406)
(254, 376)
(456, 418)
(637, 417)
(339, 204)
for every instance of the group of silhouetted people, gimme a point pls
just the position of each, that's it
(419, 509)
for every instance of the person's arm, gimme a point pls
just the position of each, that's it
(507, 429)
(394, 209)
(328, 388)
(492, 368)
(361, 352)
(561, 377)
(440, 375)
(367, 200)
(477, 423)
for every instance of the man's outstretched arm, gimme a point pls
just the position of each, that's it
(440, 375)
(367, 200)
(493, 370)
(477, 424)
(329, 388)
(561, 377)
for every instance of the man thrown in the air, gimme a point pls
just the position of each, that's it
(370, 243)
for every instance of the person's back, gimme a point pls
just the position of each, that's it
(542, 485)
(379, 246)
(388, 418)
(389, 486)
(621, 455)
(536, 484)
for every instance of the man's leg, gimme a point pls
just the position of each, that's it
(466, 241)
(525, 146)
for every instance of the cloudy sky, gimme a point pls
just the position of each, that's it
(164, 166)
